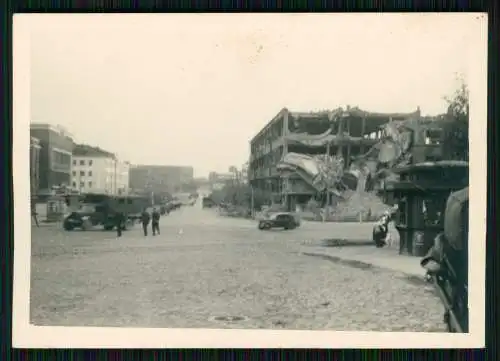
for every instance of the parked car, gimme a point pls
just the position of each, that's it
(286, 220)
(207, 202)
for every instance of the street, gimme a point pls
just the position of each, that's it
(207, 271)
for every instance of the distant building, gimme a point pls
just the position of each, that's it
(160, 178)
(34, 166)
(95, 170)
(216, 177)
(244, 173)
(55, 154)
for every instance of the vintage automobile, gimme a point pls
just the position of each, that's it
(286, 220)
(207, 202)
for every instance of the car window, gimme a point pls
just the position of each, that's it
(283, 217)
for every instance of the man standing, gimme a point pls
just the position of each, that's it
(156, 221)
(145, 219)
(119, 221)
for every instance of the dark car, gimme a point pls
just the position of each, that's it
(207, 202)
(284, 220)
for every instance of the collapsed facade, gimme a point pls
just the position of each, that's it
(299, 155)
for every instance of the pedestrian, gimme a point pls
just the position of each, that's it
(34, 215)
(156, 222)
(145, 219)
(119, 221)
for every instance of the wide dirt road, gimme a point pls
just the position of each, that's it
(203, 267)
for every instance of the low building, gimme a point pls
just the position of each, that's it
(160, 178)
(55, 156)
(95, 170)
(354, 132)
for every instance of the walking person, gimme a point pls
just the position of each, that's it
(145, 219)
(119, 221)
(34, 216)
(156, 222)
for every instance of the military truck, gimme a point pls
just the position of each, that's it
(100, 210)
(446, 262)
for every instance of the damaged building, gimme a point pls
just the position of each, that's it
(297, 155)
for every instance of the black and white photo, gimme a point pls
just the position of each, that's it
(249, 180)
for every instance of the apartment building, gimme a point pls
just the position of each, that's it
(356, 132)
(53, 145)
(95, 170)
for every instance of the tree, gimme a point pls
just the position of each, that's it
(456, 124)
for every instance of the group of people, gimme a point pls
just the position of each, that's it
(154, 219)
(146, 219)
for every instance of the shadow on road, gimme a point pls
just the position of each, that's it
(336, 242)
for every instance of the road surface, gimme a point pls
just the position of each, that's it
(209, 271)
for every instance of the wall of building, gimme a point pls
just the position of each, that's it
(55, 155)
(159, 178)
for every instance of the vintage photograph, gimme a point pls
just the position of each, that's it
(252, 172)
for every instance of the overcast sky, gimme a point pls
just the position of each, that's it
(194, 89)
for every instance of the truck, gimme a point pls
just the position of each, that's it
(100, 210)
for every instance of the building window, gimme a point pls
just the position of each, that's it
(74, 184)
(82, 184)
(82, 162)
(74, 173)
(82, 173)
(61, 161)
(90, 184)
(90, 173)
(74, 161)
(91, 162)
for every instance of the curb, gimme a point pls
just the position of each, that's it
(367, 265)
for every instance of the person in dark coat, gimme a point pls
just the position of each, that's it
(34, 215)
(156, 221)
(119, 222)
(145, 219)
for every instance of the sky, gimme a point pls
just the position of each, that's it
(177, 89)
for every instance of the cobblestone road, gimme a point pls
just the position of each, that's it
(204, 266)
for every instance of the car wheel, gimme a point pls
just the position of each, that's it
(68, 227)
(264, 225)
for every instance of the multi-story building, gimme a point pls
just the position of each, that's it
(55, 154)
(34, 167)
(95, 170)
(160, 178)
(357, 131)
(123, 177)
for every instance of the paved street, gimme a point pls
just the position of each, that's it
(204, 266)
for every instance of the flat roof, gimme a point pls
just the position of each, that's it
(348, 112)
(55, 128)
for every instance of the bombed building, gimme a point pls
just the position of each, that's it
(297, 155)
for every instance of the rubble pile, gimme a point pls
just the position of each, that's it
(356, 203)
